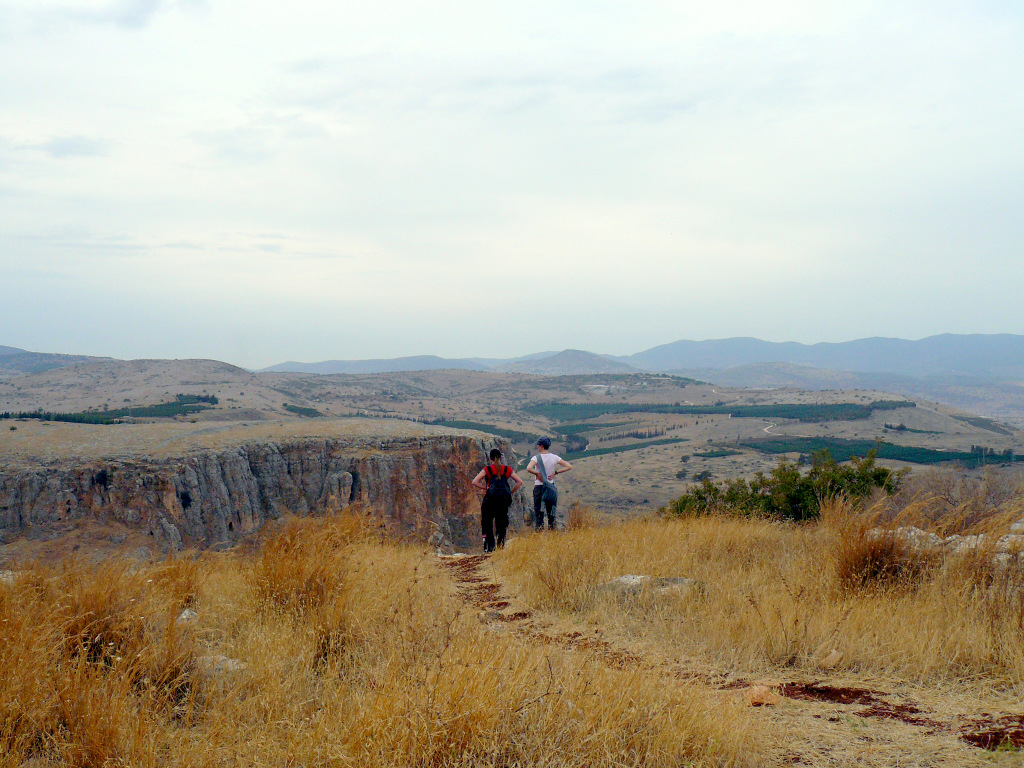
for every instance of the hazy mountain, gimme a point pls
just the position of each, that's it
(987, 396)
(987, 355)
(19, 362)
(416, 363)
(569, 362)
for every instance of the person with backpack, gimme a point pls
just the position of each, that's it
(493, 481)
(544, 466)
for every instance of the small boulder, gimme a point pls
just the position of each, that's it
(917, 538)
(8, 577)
(761, 696)
(1011, 542)
(1017, 527)
(216, 665)
(962, 545)
(187, 616)
(831, 661)
(633, 584)
(441, 543)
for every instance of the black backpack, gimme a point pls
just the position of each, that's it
(498, 489)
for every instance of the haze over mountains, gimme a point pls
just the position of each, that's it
(974, 356)
(999, 356)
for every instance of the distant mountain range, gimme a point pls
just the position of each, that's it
(987, 355)
(994, 356)
(975, 356)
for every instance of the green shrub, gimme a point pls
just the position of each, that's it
(786, 492)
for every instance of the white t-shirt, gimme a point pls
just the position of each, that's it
(550, 461)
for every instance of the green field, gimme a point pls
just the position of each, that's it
(509, 434)
(569, 456)
(843, 450)
(808, 412)
(300, 410)
(576, 429)
(182, 405)
(716, 453)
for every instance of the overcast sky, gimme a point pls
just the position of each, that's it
(259, 181)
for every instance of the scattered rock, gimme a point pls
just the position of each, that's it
(917, 538)
(1017, 527)
(186, 616)
(831, 661)
(218, 666)
(131, 516)
(8, 577)
(441, 543)
(117, 538)
(962, 545)
(632, 584)
(1004, 559)
(761, 696)
(1011, 542)
(172, 534)
(142, 555)
(630, 580)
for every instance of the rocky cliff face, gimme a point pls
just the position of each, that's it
(419, 485)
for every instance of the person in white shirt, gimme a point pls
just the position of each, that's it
(551, 464)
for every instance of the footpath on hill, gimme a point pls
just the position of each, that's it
(822, 721)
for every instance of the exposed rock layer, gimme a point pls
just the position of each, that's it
(420, 485)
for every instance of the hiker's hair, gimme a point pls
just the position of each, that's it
(495, 454)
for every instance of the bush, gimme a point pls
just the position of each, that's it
(579, 516)
(786, 493)
(300, 567)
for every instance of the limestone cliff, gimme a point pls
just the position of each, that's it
(420, 485)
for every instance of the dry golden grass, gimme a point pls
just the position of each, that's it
(777, 596)
(328, 647)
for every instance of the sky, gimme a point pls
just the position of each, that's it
(257, 181)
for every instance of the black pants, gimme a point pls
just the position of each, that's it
(493, 520)
(550, 506)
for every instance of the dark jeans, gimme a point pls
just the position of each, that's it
(493, 520)
(550, 507)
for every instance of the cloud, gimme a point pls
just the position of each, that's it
(126, 14)
(130, 14)
(61, 147)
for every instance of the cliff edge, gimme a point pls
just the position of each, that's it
(207, 493)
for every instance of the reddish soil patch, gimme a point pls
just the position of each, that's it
(517, 616)
(905, 713)
(830, 694)
(995, 733)
(876, 706)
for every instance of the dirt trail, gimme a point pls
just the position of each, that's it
(821, 721)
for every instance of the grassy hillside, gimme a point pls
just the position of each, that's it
(327, 647)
